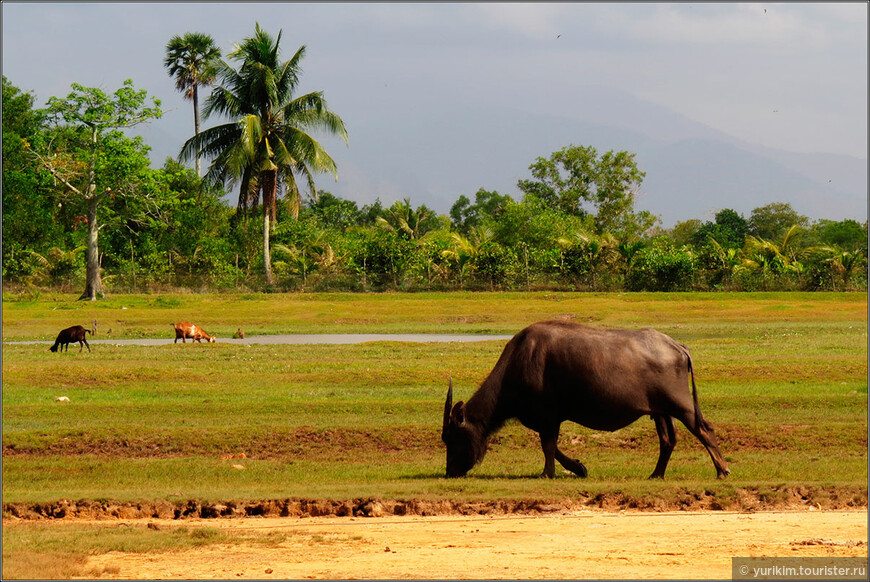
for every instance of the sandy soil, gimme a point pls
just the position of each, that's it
(581, 544)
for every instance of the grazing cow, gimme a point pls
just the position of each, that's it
(72, 334)
(185, 330)
(603, 379)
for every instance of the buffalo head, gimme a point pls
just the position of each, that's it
(465, 445)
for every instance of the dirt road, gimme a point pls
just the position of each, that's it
(582, 544)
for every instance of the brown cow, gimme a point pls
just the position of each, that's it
(604, 379)
(185, 330)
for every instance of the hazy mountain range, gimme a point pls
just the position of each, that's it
(432, 152)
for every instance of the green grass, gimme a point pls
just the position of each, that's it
(149, 316)
(144, 420)
(781, 376)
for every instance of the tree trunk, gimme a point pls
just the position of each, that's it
(269, 179)
(267, 259)
(93, 281)
(196, 126)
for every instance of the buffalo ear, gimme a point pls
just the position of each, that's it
(457, 415)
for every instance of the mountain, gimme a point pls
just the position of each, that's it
(434, 151)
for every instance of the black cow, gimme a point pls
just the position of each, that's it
(70, 335)
(603, 379)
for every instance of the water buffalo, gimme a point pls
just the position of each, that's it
(604, 379)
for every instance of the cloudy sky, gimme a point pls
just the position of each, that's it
(786, 76)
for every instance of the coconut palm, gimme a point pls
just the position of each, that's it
(406, 221)
(590, 251)
(266, 145)
(189, 60)
(769, 258)
(842, 264)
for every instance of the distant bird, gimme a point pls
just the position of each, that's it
(558, 36)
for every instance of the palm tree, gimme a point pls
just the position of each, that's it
(403, 219)
(190, 60)
(267, 144)
(592, 250)
(842, 264)
(772, 258)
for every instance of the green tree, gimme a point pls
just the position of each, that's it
(333, 212)
(841, 265)
(190, 61)
(729, 230)
(577, 181)
(847, 234)
(90, 116)
(407, 222)
(30, 211)
(770, 259)
(487, 206)
(685, 232)
(585, 254)
(267, 144)
(193, 241)
(662, 266)
(770, 222)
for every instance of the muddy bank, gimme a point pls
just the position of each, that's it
(740, 499)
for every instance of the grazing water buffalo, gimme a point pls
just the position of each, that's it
(185, 330)
(603, 379)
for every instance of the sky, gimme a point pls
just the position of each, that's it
(789, 76)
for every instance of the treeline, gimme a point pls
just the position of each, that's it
(573, 227)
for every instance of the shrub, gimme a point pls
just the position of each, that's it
(662, 267)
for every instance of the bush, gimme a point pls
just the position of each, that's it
(662, 267)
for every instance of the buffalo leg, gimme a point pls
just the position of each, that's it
(667, 440)
(570, 464)
(706, 435)
(86, 344)
(552, 453)
(548, 445)
(703, 431)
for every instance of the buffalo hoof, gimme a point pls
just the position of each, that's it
(657, 476)
(576, 467)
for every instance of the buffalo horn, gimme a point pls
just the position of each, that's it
(448, 406)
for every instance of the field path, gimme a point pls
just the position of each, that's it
(578, 545)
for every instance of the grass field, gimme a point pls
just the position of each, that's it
(782, 377)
